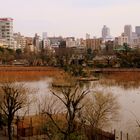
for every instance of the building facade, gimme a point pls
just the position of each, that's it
(128, 32)
(6, 30)
(37, 43)
(87, 36)
(44, 35)
(121, 39)
(105, 32)
(20, 41)
(137, 30)
(94, 44)
(3, 43)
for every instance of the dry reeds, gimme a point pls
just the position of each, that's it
(29, 73)
(125, 79)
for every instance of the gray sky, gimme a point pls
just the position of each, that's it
(71, 17)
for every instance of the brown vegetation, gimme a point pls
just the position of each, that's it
(126, 79)
(29, 73)
(13, 98)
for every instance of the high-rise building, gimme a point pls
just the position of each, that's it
(128, 32)
(105, 32)
(87, 36)
(6, 30)
(44, 35)
(137, 30)
(36, 42)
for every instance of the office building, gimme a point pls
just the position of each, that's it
(44, 35)
(87, 36)
(128, 32)
(137, 30)
(105, 33)
(36, 42)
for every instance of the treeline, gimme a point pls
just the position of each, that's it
(67, 58)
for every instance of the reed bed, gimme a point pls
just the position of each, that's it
(29, 73)
(125, 79)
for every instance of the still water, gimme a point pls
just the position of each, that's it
(128, 98)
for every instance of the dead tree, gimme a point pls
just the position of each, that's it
(101, 109)
(71, 99)
(13, 98)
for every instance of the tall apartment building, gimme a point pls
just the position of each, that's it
(105, 32)
(137, 30)
(128, 32)
(6, 30)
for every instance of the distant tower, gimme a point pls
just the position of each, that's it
(44, 35)
(137, 30)
(36, 42)
(6, 30)
(105, 32)
(87, 36)
(128, 32)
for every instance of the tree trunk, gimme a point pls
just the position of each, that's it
(67, 137)
(9, 129)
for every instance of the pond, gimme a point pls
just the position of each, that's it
(128, 98)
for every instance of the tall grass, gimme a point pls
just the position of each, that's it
(29, 73)
(125, 79)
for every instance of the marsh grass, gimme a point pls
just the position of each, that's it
(124, 79)
(29, 73)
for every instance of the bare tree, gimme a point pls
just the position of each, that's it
(13, 98)
(71, 99)
(101, 109)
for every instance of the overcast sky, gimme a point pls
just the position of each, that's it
(71, 17)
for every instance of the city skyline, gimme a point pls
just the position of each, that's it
(71, 17)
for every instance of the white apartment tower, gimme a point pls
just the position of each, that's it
(128, 32)
(105, 32)
(6, 30)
